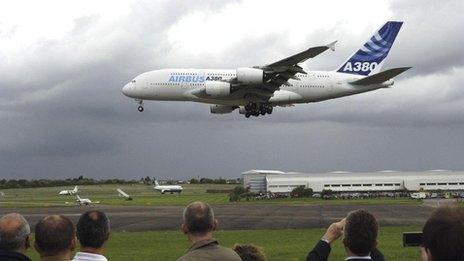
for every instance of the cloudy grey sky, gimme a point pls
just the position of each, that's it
(63, 64)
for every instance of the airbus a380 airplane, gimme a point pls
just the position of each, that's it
(256, 90)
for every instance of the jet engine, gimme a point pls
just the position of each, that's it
(221, 109)
(217, 89)
(250, 75)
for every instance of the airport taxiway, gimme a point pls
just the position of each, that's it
(236, 216)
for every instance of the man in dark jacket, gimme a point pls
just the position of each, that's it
(198, 225)
(360, 230)
(14, 237)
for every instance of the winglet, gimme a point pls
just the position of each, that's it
(331, 45)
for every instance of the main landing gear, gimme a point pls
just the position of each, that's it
(140, 108)
(256, 109)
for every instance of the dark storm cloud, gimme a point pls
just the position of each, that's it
(68, 117)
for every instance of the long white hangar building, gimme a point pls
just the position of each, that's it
(339, 181)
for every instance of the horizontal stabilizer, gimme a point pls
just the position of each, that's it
(381, 76)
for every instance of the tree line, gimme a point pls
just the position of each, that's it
(37, 183)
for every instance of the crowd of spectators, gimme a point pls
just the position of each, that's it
(56, 237)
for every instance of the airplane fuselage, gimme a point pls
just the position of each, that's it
(170, 189)
(182, 85)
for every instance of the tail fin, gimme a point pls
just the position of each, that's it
(156, 183)
(369, 58)
(76, 188)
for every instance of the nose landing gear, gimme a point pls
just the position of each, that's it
(140, 108)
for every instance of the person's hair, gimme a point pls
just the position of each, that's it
(443, 233)
(249, 252)
(93, 229)
(53, 235)
(360, 232)
(13, 238)
(199, 218)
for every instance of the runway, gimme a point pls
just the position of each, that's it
(233, 217)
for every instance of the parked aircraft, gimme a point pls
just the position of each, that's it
(123, 194)
(85, 201)
(69, 192)
(167, 188)
(257, 90)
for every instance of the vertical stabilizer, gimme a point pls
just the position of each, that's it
(369, 58)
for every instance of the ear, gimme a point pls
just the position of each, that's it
(36, 247)
(429, 255)
(73, 243)
(344, 242)
(215, 224)
(27, 244)
(184, 229)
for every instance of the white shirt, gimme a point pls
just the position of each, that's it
(358, 257)
(83, 256)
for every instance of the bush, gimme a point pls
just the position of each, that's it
(301, 192)
(238, 193)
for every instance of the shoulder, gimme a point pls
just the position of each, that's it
(11, 255)
(212, 253)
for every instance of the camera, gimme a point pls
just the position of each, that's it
(412, 239)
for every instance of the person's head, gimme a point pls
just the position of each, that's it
(360, 232)
(249, 252)
(443, 234)
(93, 229)
(54, 235)
(198, 219)
(14, 233)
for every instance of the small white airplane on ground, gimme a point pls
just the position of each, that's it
(70, 192)
(167, 188)
(123, 194)
(2, 194)
(257, 90)
(85, 201)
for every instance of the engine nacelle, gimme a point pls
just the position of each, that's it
(217, 89)
(250, 75)
(221, 109)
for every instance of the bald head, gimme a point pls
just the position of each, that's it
(199, 218)
(14, 233)
(54, 235)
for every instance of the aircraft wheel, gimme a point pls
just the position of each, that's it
(247, 114)
(140, 108)
(262, 112)
(269, 110)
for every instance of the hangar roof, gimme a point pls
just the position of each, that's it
(344, 174)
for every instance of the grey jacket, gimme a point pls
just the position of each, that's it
(209, 250)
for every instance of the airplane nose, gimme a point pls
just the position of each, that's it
(125, 90)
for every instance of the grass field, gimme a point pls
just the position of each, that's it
(277, 244)
(145, 195)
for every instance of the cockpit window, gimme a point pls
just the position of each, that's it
(133, 81)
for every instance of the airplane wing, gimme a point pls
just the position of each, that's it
(278, 73)
(302, 56)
